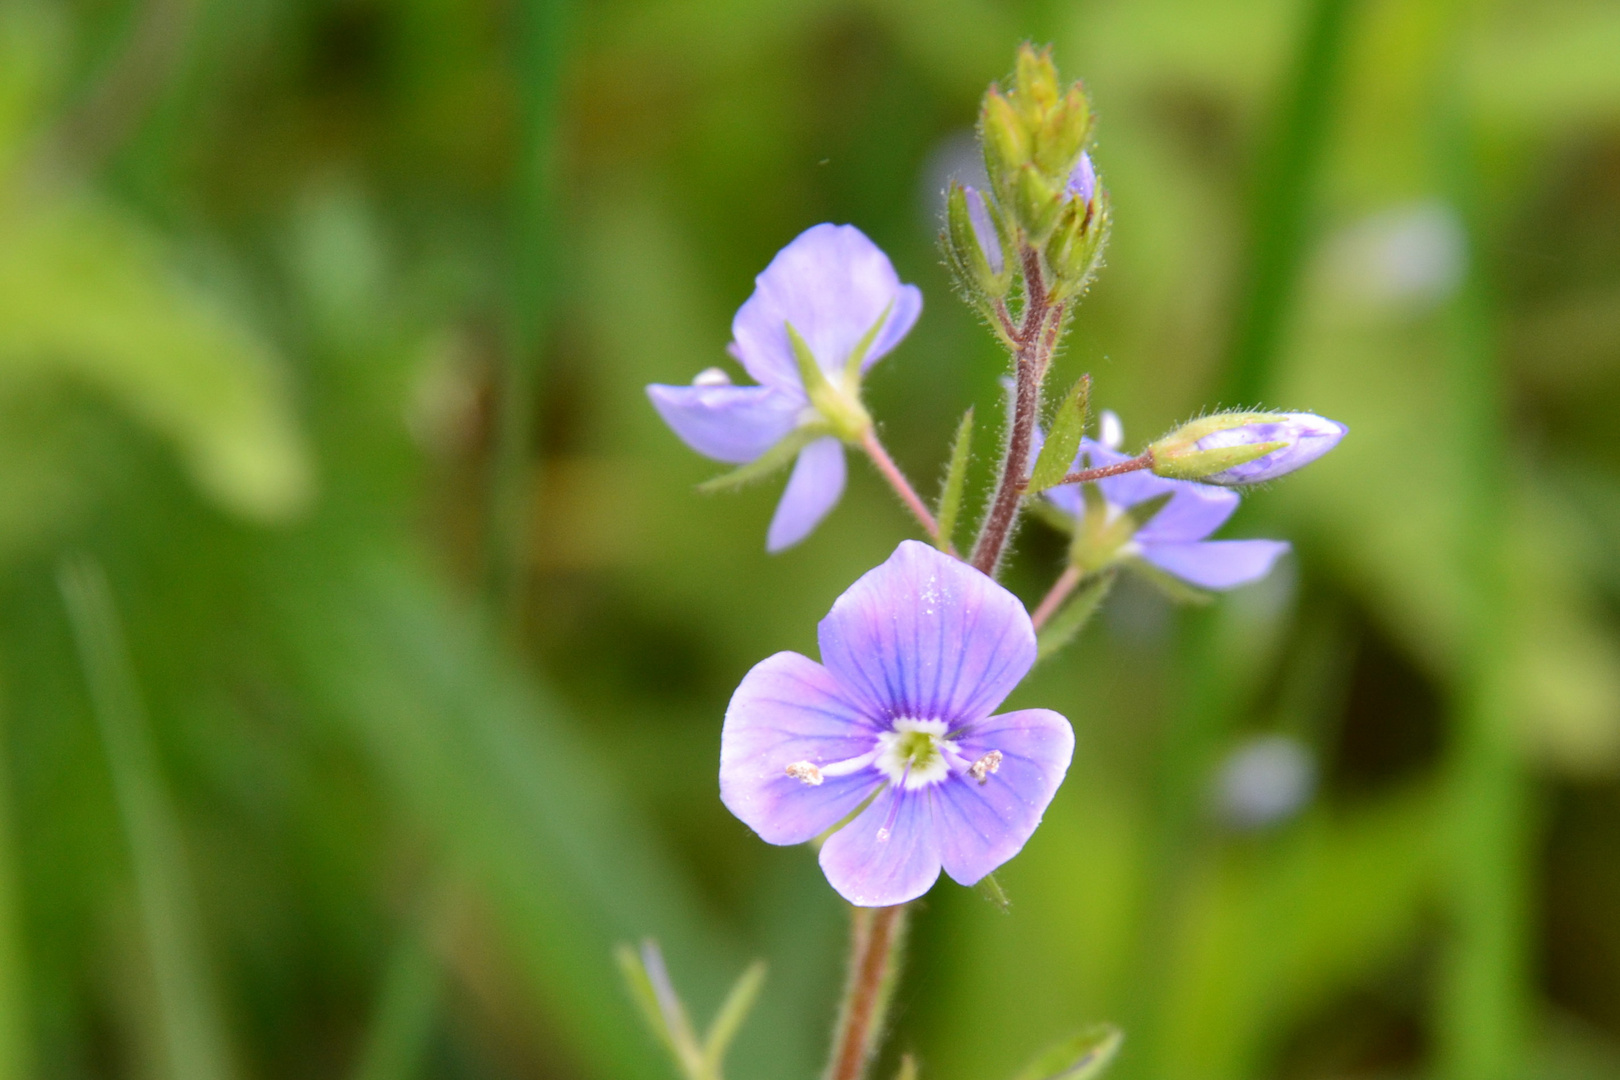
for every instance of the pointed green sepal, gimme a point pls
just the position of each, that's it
(1063, 441)
(1072, 618)
(840, 408)
(950, 496)
(990, 888)
(1197, 464)
(1036, 202)
(857, 355)
(777, 457)
(1173, 588)
(1083, 1057)
(733, 1011)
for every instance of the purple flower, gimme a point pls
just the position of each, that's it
(1174, 538)
(841, 297)
(1308, 437)
(1083, 180)
(895, 723)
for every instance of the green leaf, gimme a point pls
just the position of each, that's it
(777, 457)
(1082, 1057)
(950, 497)
(1073, 616)
(733, 1011)
(190, 1036)
(1063, 441)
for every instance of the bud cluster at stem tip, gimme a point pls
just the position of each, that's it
(1044, 198)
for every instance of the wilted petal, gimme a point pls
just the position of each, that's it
(928, 637)
(1216, 564)
(735, 424)
(812, 490)
(789, 709)
(832, 284)
(1308, 437)
(872, 869)
(981, 826)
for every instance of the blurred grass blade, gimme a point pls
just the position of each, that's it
(191, 1035)
(950, 497)
(1080, 1058)
(908, 1068)
(406, 1011)
(15, 1049)
(1063, 441)
(1073, 616)
(729, 1019)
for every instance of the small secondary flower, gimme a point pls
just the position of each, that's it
(1174, 539)
(1083, 180)
(893, 732)
(827, 308)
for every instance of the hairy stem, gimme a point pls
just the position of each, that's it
(897, 480)
(873, 969)
(1061, 588)
(1135, 464)
(1031, 364)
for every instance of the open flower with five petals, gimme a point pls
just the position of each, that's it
(893, 733)
(827, 308)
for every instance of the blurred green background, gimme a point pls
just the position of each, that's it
(364, 646)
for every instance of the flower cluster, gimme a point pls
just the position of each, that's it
(888, 752)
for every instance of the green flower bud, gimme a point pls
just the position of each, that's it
(1036, 202)
(975, 242)
(1179, 456)
(1075, 248)
(1035, 81)
(1006, 140)
(1062, 134)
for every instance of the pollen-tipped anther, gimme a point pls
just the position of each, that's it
(982, 769)
(806, 773)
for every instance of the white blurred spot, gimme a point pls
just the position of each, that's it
(711, 377)
(956, 157)
(1265, 780)
(1110, 432)
(1406, 257)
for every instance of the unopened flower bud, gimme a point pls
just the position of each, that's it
(1036, 203)
(1244, 448)
(973, 242)
(1083, 180)
(1006, 141)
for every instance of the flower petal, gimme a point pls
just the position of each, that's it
(1193, 512)
(812, 490)
(981, 826)
(832, 284)
(928, 637)
(871, 869)
(1216, 564)
(735, 424)
(786, 710)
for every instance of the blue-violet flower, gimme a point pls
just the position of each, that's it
(1173, 539)
(896, 723)
(831, 300)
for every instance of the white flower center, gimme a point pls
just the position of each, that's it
(915, 753)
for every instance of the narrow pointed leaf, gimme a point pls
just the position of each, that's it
(950, 497)
(1073, 616)
(1063, 441)
(407, 1006)
(1083, 1057)
(680, 1044)
(990, 888)
(733, 1011)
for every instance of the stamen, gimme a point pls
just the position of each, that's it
(711, 377)
(805, 772)
(982, 769)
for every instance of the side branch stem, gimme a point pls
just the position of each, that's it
(1061, 588)
(1135, 464)
(998, 524)
(872, 971)
(897, 480)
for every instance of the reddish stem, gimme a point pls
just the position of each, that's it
(1061, 588)
(871, 957)
(1135, 464)
(897, 480)
(998, 524)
